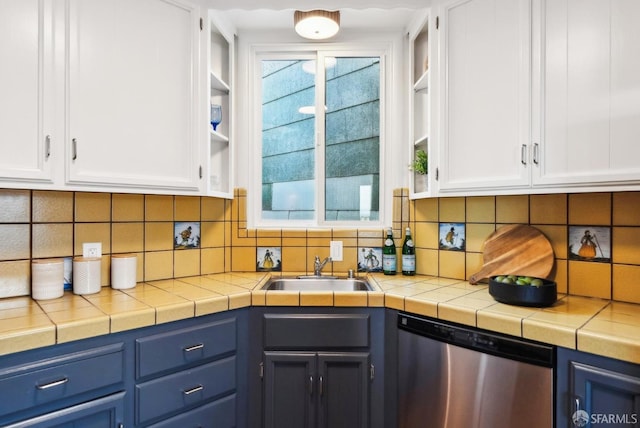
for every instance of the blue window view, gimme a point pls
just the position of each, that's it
(350, 153)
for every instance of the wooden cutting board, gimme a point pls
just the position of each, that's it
(516, 250)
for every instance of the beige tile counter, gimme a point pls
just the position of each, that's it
(598, 326)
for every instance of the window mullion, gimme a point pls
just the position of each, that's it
(320, 97)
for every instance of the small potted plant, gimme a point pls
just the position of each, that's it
(420, 166)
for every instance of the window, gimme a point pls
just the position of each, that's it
(320, 138)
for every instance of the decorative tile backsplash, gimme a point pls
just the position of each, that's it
(52, 224)
(43, 224)
(370, 259)
(269, 259)
(186, 235)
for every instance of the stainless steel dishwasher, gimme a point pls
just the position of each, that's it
(452, 376)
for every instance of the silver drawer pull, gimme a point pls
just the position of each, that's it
(192, 390)
(194, 347)
(52, 384)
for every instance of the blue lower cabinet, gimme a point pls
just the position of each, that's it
(594, 391)
(177, 374)
(314, 390)
(319, 368)
(188, 373)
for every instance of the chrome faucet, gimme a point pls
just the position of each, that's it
(318, 265)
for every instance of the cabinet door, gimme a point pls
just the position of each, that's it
(590, 80)
(343, 390)
(26, 50)
(590, 75)
(485, 77)
(602, 393)
(606, 390)
(132, 93)
(106, 412)
(290, 389)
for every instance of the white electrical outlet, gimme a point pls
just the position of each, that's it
(92, 249)
(335, 249)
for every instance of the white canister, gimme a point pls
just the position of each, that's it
(86, 275)
(123, 271)
(47, 278)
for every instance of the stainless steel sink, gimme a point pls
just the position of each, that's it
(317, 284)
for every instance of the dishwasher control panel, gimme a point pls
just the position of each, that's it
(479, 340)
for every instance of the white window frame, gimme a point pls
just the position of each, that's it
(314, 51)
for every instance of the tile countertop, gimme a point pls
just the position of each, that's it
(602, 327)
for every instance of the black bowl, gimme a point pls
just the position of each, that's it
(524, 295)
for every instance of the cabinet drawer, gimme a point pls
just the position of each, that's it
(316, 331)
(178, 348)
(45, 381)
(102, 412)
(184, 389)
(219, 414)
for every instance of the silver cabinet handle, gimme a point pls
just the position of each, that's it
(193, 390)
(47, 146)
(194, 347)
(311, 385)
(523, 154)
(321, 385)
(74, 148)
(536, 150)
(53, 384)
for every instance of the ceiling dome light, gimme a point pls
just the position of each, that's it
(316, 24)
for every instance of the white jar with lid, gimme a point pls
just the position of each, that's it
(86, 275)
(47, 278)
(123, 271)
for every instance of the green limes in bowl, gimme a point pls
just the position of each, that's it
(519, 280)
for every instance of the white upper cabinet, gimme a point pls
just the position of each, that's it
(26, 120)
(588, 132)
(132, 113)
(538, 96)
(484, 83)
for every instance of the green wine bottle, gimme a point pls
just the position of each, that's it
(408, 254)
(389, 257)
